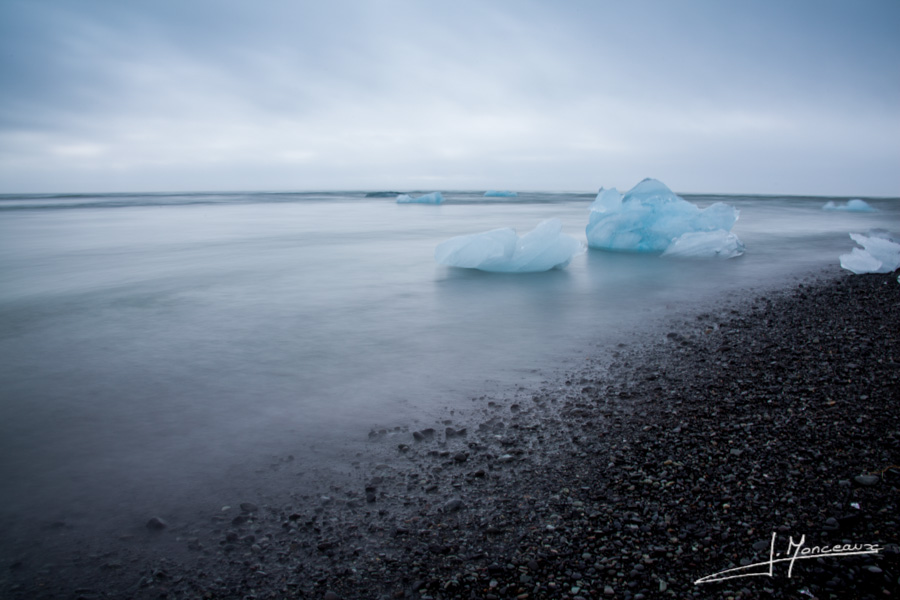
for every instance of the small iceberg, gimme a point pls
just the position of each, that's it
(432, 198)
(500, 194)
(503, 251)
(880, 253)
(855, 205)
(651, 218)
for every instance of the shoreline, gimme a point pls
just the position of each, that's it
(631, 480)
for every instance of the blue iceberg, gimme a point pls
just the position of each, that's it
(500, 194)
(502, 251)
(650, 218)
(706, 244)
(432, 198)
(880, 253)
(855, 205)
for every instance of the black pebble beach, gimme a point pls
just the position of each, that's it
(720, 446)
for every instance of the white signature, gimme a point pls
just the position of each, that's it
(795, 551)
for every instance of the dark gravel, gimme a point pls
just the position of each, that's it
(630, 480)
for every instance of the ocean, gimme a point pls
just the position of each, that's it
(168, 353)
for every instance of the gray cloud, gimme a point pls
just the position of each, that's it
(707, 96)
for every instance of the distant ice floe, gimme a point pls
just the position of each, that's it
(855, 205)
(651, 218)
(880, 253)
(432, 198)
(503, 251)
(500, 194)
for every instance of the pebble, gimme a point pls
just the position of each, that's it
(453, 505)
(875, 570)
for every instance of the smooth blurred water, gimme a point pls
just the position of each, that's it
(155, 349)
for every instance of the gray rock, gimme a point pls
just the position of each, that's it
(156, 524)
(866, 480)
(453, 505)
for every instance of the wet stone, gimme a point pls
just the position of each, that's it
(453, 505)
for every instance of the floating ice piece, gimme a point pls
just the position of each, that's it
(607, 201)
(855, 205)
(650, 217)
(880, 253)
(706, 244)
(432, 198)
(502, 251)
(500, 194)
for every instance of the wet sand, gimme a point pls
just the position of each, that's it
(720, 443)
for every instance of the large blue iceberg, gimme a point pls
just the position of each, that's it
(880, 253)
(706, 244)
(432, 198)
(500, 194)
(502, 251)
(651, 218)
(855, 205)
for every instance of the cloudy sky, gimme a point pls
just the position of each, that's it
(768, 96)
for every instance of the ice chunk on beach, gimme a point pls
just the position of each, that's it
(706, 244)
(880, 253)
(855, 205)
(503, 251)
(500, 194)
(859, 261)
(432, 198)
(650, 217)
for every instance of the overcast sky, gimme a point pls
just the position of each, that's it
(798, 97)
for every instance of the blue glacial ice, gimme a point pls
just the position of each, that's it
(855, 205)
(651, 218)
(706, 244)
(432, 198)
(880, 253)
(500, 194)
(503, 251)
